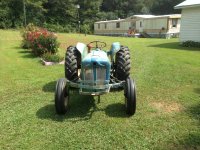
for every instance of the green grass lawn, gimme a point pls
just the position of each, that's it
(168, 100)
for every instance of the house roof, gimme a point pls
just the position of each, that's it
(153, 16)
(188, 3)
(137, 17)
(144, 16)
(118, 20)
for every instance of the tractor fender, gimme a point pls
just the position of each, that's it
(115, 47)
(81, 47)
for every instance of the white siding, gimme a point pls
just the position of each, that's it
(140, 25)
(174, 29)
(156, 23)
(190, 24)
(111, 27)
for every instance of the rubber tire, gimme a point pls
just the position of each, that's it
(72, 63)
(61, 97)
(130, 96)
(122, 63)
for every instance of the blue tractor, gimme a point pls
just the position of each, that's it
(90, 70)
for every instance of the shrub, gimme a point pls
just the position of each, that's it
(85, 28)
(25, 34)
(59, 28)
(52, 58)
(53, 27)
(39, 40)
(191, 44)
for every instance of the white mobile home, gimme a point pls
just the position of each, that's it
(111, 27)
(154, 26)
(190, 20)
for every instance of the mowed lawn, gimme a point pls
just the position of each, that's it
(168, 100)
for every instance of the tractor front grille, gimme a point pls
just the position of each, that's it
(88, 74)
(94, 80)
(100, 75)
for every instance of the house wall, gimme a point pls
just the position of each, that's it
(172, 29)
(139, 25)
(158, 23)
(190, 24)
(110, 27)
(156, 27)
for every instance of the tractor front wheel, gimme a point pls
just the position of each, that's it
(61, 97)
(130, 96)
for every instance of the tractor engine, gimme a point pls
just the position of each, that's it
(95, 72)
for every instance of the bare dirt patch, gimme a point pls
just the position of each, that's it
(167, 107)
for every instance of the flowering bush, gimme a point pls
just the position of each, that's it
(40, 40)
(29, 28)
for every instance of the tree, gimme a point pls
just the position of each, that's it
(60, 11)
(63, 15)
(35, 12)
(89, 11)
(161, 7)
(4, 15)
(12, 12)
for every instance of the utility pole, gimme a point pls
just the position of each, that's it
(24, 6)
(79, 22)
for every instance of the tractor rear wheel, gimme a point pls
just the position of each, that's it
(130, 96)
(122, 63)
(61, 97)
(72, 63)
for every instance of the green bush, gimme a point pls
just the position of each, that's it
(59, 28)
(85, 28)
(52, 58)
(191, 44)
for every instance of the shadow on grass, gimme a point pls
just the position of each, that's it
(116, 110)
(194, 112)
(26, 53)
(49, 87)
(197, 90)
(20, 48)
(175, 45)
(81, 108)
(192, 140)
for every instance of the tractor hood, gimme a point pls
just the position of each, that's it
(96, 57)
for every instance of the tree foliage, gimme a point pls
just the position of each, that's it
(63, 15)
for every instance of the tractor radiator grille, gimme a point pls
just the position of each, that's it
(88, 74)
(100, 75)
(95, 77)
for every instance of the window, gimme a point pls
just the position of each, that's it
(105, 25)
(174, 22)
(118, 25)
(140, 23)
(99, 26)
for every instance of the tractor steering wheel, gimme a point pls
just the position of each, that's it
(99, 44)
